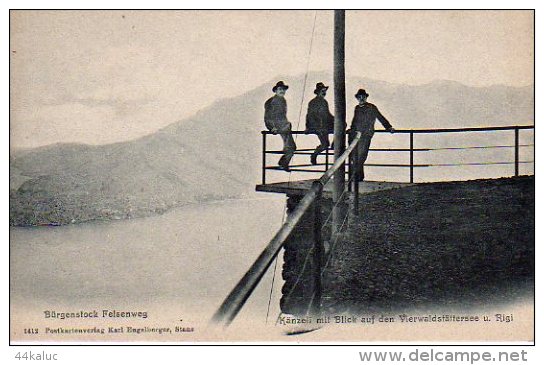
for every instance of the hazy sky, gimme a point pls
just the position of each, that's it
(101, 77)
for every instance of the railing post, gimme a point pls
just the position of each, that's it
(516, 153)
(411, 157)
(355, 166)
(350, 167)
(264, 158)
(327, 159)
(350, 173)
(318, 253)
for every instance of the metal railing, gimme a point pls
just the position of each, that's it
(241, 292)
(411, 150)
(235, 300)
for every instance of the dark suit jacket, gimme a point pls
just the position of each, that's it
(318, 118)
(364, 118)
(275, 113)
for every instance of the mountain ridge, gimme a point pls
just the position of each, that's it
(216, 153)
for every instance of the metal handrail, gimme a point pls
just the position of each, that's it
(241, 292)
(234, 302)
(411, 150)
(438, 130)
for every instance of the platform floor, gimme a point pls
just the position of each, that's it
(300, 187)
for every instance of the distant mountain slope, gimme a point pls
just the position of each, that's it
(216, 153)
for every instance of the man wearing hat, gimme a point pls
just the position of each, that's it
(319, 120)
(275, 120)
(364, 117)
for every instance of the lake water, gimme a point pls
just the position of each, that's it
(180, 264)
(178, 268)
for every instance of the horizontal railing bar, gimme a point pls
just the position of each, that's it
(291, 166)
(297, 152)
(295, 167)
(398, 149)
(478, 147)
(476, 163)
(303, 151)
(292, 132)
(438, 130)
(459, 130)
(394, 165)
(306, 170)
(243, 289)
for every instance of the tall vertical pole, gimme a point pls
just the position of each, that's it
(339, 114)
(516, 152)
(318, 256)
(411, 157)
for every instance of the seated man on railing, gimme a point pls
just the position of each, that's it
(275, 119)
(319, 120)
(364, 117)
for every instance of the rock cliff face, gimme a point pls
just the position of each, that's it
(442, 244)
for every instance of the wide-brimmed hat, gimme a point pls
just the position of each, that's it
(280, 84)
(320, 86)
(361, 92)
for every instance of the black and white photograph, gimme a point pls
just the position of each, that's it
(278, 176)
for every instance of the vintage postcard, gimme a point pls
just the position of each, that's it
(272, 175)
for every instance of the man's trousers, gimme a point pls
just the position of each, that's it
(362, 154)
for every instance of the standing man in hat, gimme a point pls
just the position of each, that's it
(364, 117)
(319, 120)
(275, 119)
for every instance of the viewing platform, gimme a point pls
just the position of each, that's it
(334, 261)
(415, 155)
(301, 187)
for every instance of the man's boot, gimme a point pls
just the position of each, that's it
(283, 164)
(313, 158)
(361, 175)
